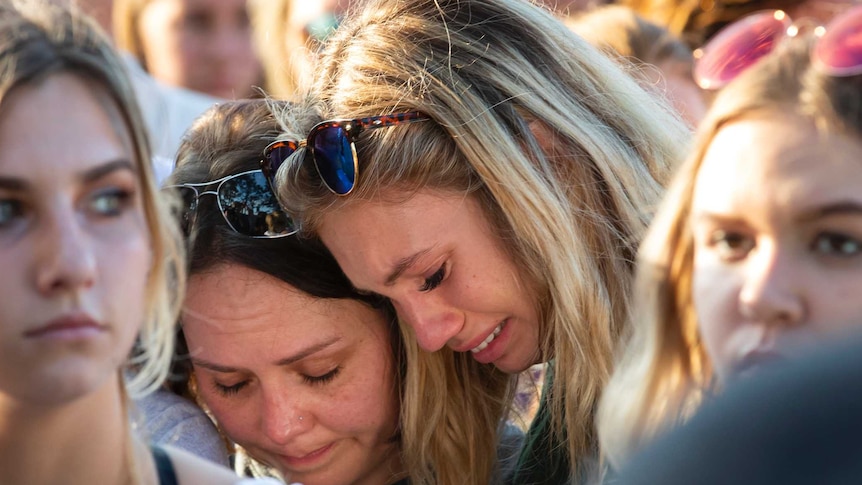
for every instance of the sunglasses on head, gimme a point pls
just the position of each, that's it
(837, 52)
(331, 146)
(246, 202)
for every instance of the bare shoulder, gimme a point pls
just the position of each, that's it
(192, 469)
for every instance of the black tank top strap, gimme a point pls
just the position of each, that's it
(164, 466)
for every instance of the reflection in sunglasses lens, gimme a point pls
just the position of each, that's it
(334, 159)
(251, 208)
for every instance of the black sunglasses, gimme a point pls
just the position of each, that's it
(246, 202)
(331, 144)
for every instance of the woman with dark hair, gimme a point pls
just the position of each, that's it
(298, 369)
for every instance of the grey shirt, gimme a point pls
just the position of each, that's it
(167, 419)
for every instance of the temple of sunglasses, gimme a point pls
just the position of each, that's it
(245, 201)
(331, 147)
(837, 52)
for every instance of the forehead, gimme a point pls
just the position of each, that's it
(233, 300)
(782, 157)
(60, 123)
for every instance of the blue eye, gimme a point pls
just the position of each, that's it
(110, 202)
(434, 280)
(836, 244)
(9, 210)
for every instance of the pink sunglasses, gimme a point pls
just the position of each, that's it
(838, 49)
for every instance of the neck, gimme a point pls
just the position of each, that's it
(84, 441)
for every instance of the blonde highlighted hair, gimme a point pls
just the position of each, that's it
(567, 156)
(664, 372)
(39, 39)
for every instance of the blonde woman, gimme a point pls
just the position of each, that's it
(506, 177)
(756, 251)
(91, 264)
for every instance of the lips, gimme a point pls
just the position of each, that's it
(72, 326)
(299, 461)
(490, 338)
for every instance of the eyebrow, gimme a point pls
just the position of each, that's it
(9, 183)
(402, 265)
(282, 362)
(838, 208)
(95, 173)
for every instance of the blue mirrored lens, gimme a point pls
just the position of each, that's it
(251, 208)
(276, 158)
(333, 158)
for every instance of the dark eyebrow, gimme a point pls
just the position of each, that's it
(96, 173)
(90, 175)
(309, 351)
(286, 361)
(402, 265)
(213, 366)
(9, 183)
(838, 208)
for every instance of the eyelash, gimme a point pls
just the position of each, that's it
(313, 380)
(324, 379)
(230, 390)
(434, 280)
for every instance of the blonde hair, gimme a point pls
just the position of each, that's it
(567, 156)
(126, 27)
(696, 21)
(284, 51)
(664, 372)
(39, 39)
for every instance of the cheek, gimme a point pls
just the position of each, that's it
(125, 266)
(236, 416)
(366, 405)
(714, 295)
(833, 304)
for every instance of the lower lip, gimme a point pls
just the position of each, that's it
(68, 334)
(495, 349)
(297, 464)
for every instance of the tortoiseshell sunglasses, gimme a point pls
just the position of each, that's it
(331, 144)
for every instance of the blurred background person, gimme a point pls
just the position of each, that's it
(663, 61)
(696, 21)
(202, 45)
(289, 34)
(168, 110)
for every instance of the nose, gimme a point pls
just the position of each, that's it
(282, 418)
(66, 258)
(433, 323)
(771, 292)
(229, 42)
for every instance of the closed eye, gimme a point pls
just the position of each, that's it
(322, 379)
(230, 390)
(434, 280)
